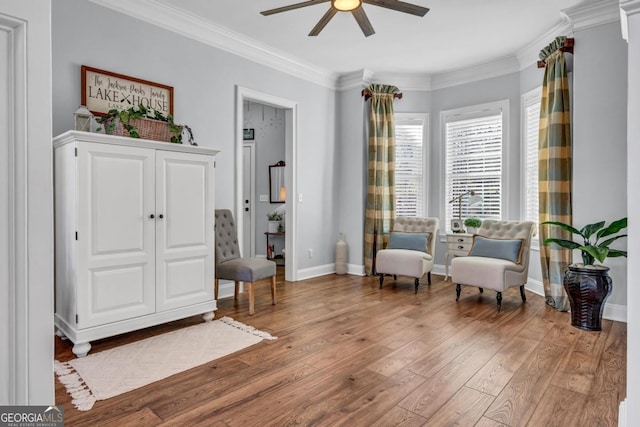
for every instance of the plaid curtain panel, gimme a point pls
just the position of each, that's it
(380, 211)
(555, 171)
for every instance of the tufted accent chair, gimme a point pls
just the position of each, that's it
(406, 262)
(231, 266)
(495, 273)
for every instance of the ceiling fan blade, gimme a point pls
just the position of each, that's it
(363, 21)
(292, 7)
(400, 6)
(323, 21)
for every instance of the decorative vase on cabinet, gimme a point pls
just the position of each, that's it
(134, 234)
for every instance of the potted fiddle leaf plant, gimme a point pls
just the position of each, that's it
(588, 284)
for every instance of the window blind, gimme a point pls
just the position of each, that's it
(474, 162)
(409, 169)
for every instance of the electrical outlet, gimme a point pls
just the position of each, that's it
(310, 253)
(264, 197)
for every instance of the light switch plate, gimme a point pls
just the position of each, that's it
(264, 197)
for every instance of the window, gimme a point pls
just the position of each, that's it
(411, 171)
(474, 149)
(530, 131)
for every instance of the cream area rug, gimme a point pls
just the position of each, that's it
(112, 372)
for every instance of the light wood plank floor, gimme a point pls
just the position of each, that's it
(350, 354)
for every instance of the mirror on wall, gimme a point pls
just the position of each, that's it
(277, 190)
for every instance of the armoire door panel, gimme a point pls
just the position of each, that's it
(118, 203)
(185, 184)
(116, 193)
(116, 292)
(185, 279)
(184, 259)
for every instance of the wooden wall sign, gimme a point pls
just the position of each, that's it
(103, 91)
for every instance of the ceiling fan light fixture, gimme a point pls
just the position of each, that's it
(346, 5)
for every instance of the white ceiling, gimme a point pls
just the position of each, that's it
(455, 34)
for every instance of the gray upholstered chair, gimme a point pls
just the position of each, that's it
(410, 250)
(498, 259)
(231, 266)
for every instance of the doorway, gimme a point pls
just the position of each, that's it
(290, 122)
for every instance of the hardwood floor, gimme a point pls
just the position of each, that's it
(351, 354)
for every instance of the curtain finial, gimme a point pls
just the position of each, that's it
(561, 43)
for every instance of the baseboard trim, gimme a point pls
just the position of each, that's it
(355, 269)
(226, 288)
(622, 414)
(614, 312)
(321, 270)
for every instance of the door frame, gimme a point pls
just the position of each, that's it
(26, 335)
(291, 141)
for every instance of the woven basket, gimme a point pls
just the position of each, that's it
(155, 130)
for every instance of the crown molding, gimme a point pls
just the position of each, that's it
(529, 54)
(172, 19)
(355, 79)
(630, 7)
(404, 81)
(499, 67)
(627, 8)
(589, 15)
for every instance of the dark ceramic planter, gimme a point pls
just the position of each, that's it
(588, 289)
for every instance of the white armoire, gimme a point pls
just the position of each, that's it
(134, 233)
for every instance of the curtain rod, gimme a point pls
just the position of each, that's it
(566, 47)
(367, 94)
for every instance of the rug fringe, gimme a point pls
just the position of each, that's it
(246, 328)
(81, 396)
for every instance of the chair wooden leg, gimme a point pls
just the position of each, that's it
(457, 291)
(251, 303)
(429, 278)
(381, 279)
(524, 298)
(235, 290)
(215, 289)
(417, 282)
(273, 290)
(499, 300)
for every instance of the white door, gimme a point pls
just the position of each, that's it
(116, 233)
(248, 195)
(184, 224)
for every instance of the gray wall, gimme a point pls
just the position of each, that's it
(204, 81)
(352, 176)
(599, 106)
(489, 90)
(331, 154)
(600, 137)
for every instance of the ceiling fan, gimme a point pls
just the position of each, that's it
(353, 6)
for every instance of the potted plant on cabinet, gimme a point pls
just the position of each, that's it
(141, 122)
(273, 226)
(588, 284)
(472, 225)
